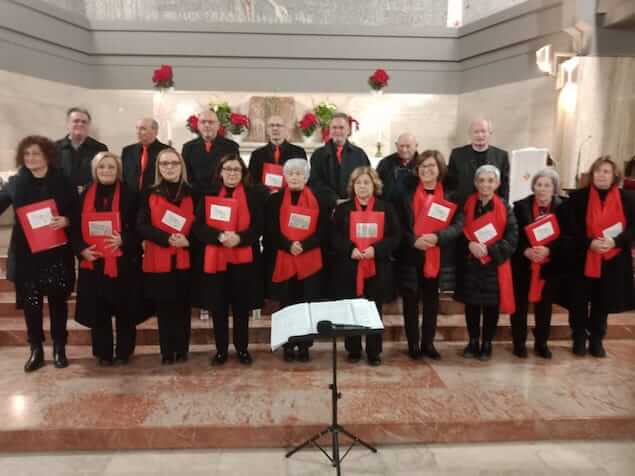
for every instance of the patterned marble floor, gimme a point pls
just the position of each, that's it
(274, 404)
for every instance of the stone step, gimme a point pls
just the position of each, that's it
(450, 328)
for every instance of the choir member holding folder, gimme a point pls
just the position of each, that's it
(599, 229)
(537, 264)
(364, 235)
(40, 258)
(484, 275)
(429, 222)
(164, 221)
(104, 238)
(296, 227)
(229, 223)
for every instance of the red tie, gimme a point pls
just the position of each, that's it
(276, 154)
(208, 146)
(144, 164)
(340, 148)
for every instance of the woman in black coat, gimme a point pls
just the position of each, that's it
(48, 271)
(355, 259)
(599, 230)
(537, 268)
(430, 222)
(164, 221)
(110, 266)
(229, 223)
(296, 227)
(484, 277)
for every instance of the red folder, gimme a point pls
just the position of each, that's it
(100, 241)
(358, 218)
(218, 224)
(42, 237)
(165, 207)
(544, 220)
(428, 224)
(272, 169)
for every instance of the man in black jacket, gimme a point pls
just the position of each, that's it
(203, 154)
(76, 151)
(465, 160)
(395, 166)
(277, 152)
(139, 160)
(333, 163)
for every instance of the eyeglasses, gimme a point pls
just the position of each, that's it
(276, 125)
(232, 170)
(166, 165)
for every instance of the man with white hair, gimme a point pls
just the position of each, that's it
(139, 160)
(465, 160)
(392, 167)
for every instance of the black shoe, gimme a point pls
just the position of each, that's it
(374, 360)
(471, 350)
(104, 362)
(579, 347)
(431, 352)
(59, 356)
(181, 357)
(303, 354)
(35, 360)
(486, 351)
(288, 355)
(596, 349)
(122, 360)
(244, 358)
(415, 354)
(219, 359)
(354, 357)
(520, 351)
(541, 350)
(167, 360)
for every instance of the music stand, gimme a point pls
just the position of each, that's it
(335, 428)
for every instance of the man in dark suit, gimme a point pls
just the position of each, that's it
(465, 160)
(139, 160)
(333, 163)
(276, 152)
(394, 166)
(76, 151)
(203, 154)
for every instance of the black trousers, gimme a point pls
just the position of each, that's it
(33, 315)
(542, 315)
(586, 314)
(473, 320)
(102, 335)
(374, 342)
(174, 326)
(428, 292)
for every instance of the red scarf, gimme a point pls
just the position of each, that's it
(217, 256)
(598, 218)
(365, 267)
(307, 263)
(421, 203)
(498, 217)
(109, 255)
(536, 283)
(157, 258)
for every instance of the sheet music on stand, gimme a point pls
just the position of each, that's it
(302, 319)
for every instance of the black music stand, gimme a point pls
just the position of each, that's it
(335, 428)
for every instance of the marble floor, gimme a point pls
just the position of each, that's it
(599, 458)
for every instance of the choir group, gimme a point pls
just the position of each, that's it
(157, 232)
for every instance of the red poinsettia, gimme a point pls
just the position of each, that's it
(192, 124)
(238, 123)
(353, 123)
(379, 79)
(163, 77)
(308, 124)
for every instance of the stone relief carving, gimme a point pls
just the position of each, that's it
(262, 108)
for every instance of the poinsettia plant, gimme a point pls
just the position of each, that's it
(192, 124)
(238, 123)
(163, 77)
(308, 124)
(353, 123)
(379, 79)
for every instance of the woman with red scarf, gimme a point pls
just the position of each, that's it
(599, 229)
(164, 221)
(104, 238)
(364, 235)
(430, 221)
(484, 276)
(537, 263)
(229, 225)
(296, 227)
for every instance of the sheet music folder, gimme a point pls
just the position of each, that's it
(302, 319)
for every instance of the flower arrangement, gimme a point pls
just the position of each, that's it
(308, 124)
(378, 80)
(238, 123)
(223, 112)
(163, 77)
(192, 124)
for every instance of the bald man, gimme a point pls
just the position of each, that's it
(139, 159)
(394, 166)
(465, 160)
(203, 154)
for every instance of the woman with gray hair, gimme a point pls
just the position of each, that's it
(537, 261)
(484, 276)
(295, 229)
